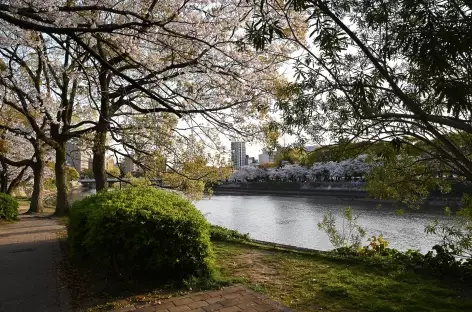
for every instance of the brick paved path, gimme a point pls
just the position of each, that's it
(229, 299)
(29, 257)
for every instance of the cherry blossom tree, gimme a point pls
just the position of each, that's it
(40, 82)
(178, 57)
(23, 155)
(247, 173)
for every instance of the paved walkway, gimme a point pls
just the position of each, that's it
(229, 299)
(29, 277)
(29, 257)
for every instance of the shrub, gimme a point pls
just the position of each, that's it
(220, 233)
(351, 234)
(8, 207)
(141, 230)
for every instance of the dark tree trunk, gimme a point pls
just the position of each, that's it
(99, 144)
(3, 183)
(16, 181)
(3, 179)
(36, 204)
(62, 203)
(99, 150)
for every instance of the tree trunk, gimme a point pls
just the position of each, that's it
(3, 183)
(36, 204)
(99, 144)
(16, 181)
(99, 159)
(3, 179)
(62, 203)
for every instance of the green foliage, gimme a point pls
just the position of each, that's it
(71, 174)
(8, 207)
(439, 261)
(377, 244)
(141, 230)
(349, 236)
(220, 233)
(292, 155)
(456, 237)
(405, 178)
(114, 171)
(88, 173)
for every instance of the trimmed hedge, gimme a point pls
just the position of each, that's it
(8, 207)
(141, 230)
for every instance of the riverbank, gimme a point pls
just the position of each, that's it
(317, 282)
(333, 190)
(302, 281)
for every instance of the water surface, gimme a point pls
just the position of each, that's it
(293, 221)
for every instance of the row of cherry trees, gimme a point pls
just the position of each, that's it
(142, 79)
(321, 171)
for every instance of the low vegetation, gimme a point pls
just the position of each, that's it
(376, 279)
(329, 282)
(8, 208)
(141, 231)
(220, 233)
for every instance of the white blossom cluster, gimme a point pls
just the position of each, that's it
(356, 167)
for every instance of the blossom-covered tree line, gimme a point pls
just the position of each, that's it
(347, 169)
(142, 79)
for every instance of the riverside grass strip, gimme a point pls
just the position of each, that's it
(318, 282)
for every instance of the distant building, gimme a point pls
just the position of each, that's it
(127, 165)
(110, 163)
(266, 157)
(77, 158)
(238, 154)
(90, 163)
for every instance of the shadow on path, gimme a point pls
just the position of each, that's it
(29, 264)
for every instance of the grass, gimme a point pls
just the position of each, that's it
(301, 281)
(308, 282)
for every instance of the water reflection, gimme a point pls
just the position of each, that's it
(290, 220)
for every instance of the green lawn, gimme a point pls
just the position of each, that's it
(320, 283)
(302, 282)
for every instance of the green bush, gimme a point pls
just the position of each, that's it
(220, 233)
(141, 230)
(8, 207)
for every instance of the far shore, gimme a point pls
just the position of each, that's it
(357, 195)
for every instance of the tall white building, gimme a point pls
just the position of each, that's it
(238, 154)
(266, 157)
(75, 157)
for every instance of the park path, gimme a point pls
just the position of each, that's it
(229, 299)
(29, 263)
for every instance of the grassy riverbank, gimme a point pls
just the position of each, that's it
(307, 282)
(303, 282)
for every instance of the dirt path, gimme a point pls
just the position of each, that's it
(29, 262)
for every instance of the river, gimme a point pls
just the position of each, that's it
(293, 221)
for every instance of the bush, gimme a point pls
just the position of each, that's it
(220, 233)
(8, 207)
(141, 230)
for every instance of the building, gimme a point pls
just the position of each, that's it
(250, 161)
(266, 157)
(110, 163)
(127, 165)
(77, 158)
(238, 154)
